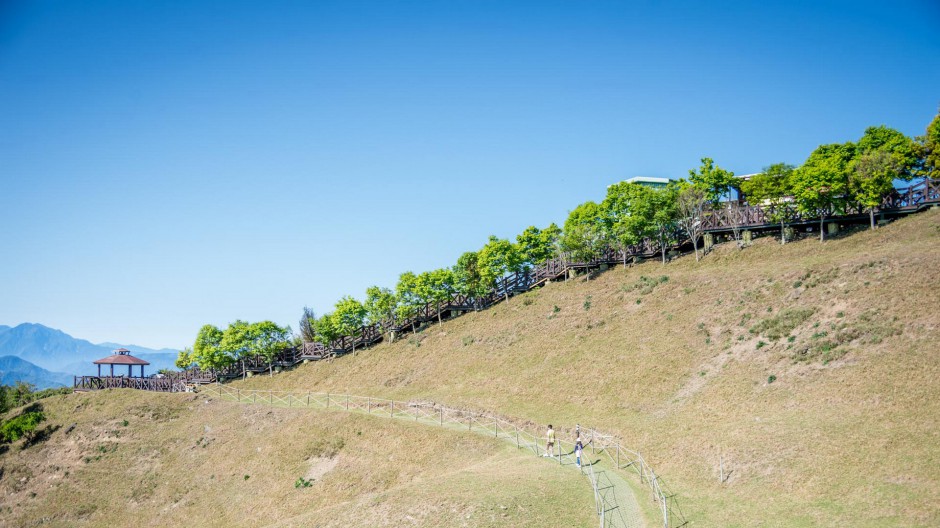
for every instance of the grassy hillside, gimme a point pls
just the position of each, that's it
(127, 458)
(809, 369)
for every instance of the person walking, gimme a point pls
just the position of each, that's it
(578, 447)
(550, 442)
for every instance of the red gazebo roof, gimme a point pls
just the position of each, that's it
(121, 356)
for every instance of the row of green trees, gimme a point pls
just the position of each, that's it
(217, 349)
(474, 274)
(833, 179)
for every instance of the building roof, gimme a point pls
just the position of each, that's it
(121, 356)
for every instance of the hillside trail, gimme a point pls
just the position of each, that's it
(616, 503)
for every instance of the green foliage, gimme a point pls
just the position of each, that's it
(268, 340)
(303, 483)
(207, 350)
(437, 286)
(12, 396)
(783, 323)
(184, 359)
(349, 316)
(821, 185)
(873, 177)
(773, 188)
(584, 233)
(715, 181)
(771, 379)
(468, 276)
(627, 213)
(498, 258)
(380, 305)
(535, 246)
(409, 298)
(929, 149)
(901, 150)
(21, 426)
(236, 341)
(326, 330)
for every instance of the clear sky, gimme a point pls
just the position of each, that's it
(169, 164)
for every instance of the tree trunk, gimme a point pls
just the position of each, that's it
(695, 247)
(244, 370)
(783, 233)
(822, 227)
(439, 323)
(871, 216)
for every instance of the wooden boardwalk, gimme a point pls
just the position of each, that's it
(902, 202)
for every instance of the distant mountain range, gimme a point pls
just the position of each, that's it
(61, 354)
(13, 369)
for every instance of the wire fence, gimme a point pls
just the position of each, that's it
(609, 462)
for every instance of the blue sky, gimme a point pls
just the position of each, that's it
(165, 165)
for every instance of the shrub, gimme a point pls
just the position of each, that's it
(786, 321)
(23, 425)
(771, 378)
(587, 303)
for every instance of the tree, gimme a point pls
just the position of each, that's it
(307, 326)
(409, 299)
(267, 341)
(627, 212)
(902, 150)
(821, 185)
(349, 316)
(437, 286)
(691, 203)
(665, 209)
(207, 350)
(536, 245)
(772, 190)
(584, 234)
(380, 305)
(498, 258)
(326, 330)
(184, 359)
(236, 343)
(713, 180)
(469, 278)
(872, 179)
(929, 150)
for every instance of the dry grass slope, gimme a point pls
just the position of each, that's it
(142, 459)
(809, 369)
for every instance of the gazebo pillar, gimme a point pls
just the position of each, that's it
(112, 370)
(99, 370)
(141, 371)
(129, 373)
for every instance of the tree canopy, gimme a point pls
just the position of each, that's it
(714, 181)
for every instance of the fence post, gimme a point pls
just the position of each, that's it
(271, 397)
(391, 409)
(370, 405)
(347, 402)
(308, 399)
(517, 438)
(254, 396)
(328, 400)
(239, 394)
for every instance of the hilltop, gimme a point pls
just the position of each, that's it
(806, 374)
(808, 371)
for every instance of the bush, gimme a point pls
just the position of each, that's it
(23, 425)
(776, 327)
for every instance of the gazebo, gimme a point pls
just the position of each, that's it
(122, 356)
